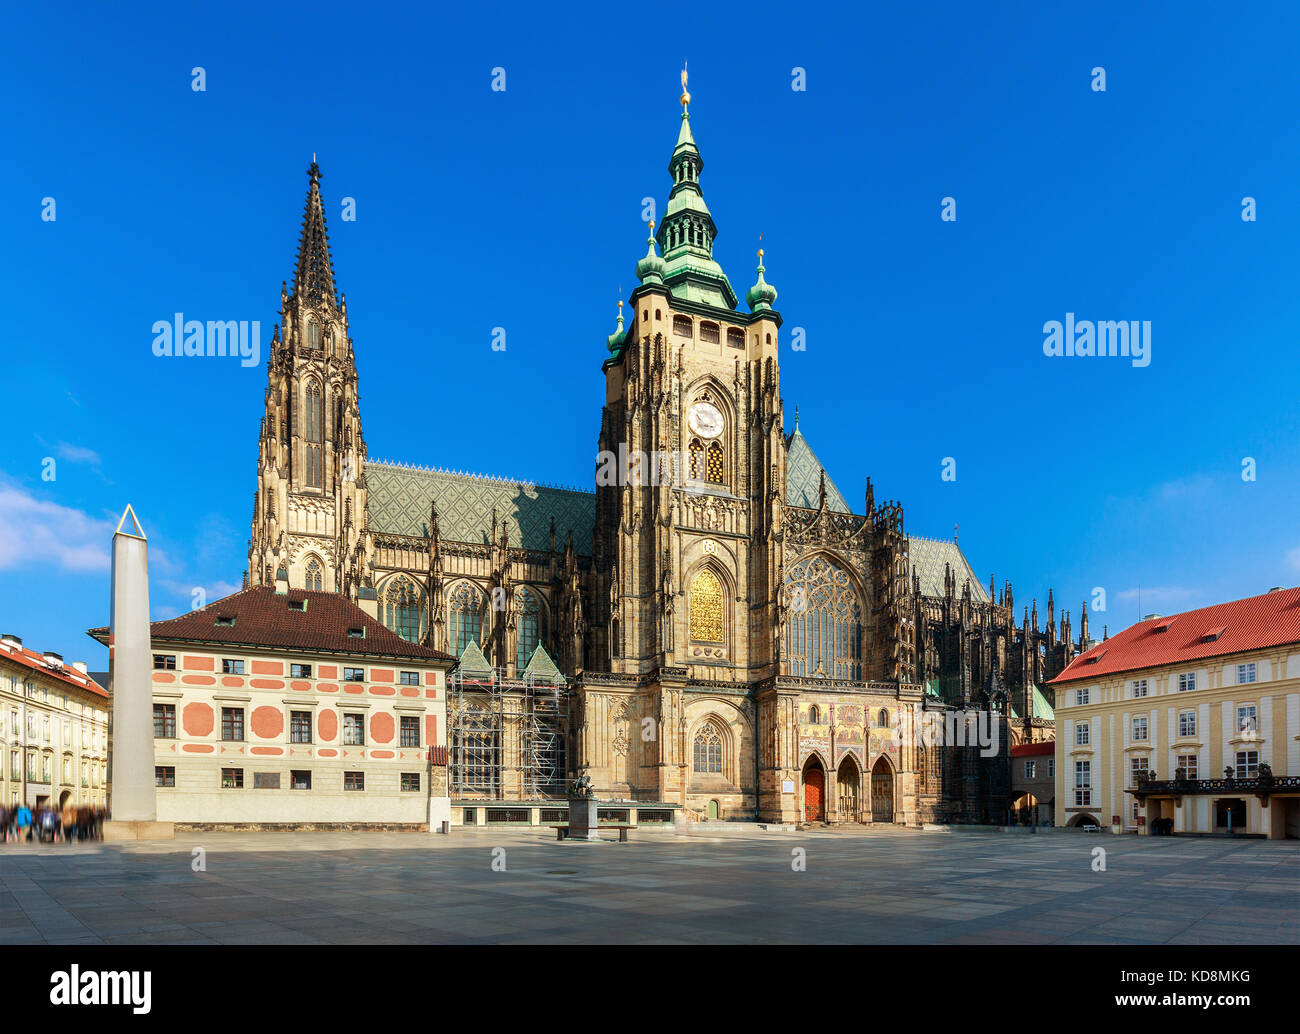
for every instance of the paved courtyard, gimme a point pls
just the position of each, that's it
(709, 887)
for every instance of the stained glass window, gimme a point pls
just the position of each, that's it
(528, 626)
(706, 608)
(465, 608)
(708, 749)
(315, 578)
(404, 609)
(315, 433)
(824, 631)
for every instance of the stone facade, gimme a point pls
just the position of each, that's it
(735, 640)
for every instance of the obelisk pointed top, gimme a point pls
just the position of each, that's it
(133, 529)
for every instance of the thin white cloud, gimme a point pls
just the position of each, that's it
(77, 454)
(36, 532)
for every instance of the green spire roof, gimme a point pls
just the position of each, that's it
(687, 232)
(761, 296)
(616, 339)
(650, 270)
(472, 661)
(541, 667)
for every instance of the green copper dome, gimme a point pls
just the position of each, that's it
(762, 295)
(616, 339)
(650, 270)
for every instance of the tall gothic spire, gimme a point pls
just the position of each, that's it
(687, 231)
(313, 279)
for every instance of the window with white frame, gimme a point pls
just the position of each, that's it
(1082, 734)
(1081, 696)
(1082, 784)
(1247, 764)
(1246, 672)
(1247, 720)
(1189, 765)
(1186, 723)
(1139, 687)
(1139, 728)
(1137, 770)
(1030, 768)
(1186, 681)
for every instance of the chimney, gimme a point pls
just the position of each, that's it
(1152, 617)
(80, 666)
(9, 639)
(1277, 588)
(53, 658)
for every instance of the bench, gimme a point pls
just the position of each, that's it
(562, 832)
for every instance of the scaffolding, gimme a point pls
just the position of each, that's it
(508, 735)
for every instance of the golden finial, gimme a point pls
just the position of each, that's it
(760, 247)
(652, 227)
(686, 97)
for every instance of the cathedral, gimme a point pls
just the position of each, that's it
(733, 641)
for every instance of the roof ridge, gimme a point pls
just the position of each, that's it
(491, 478)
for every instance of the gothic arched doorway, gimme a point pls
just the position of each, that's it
(882, 791)
(849, 787)
(814, 791)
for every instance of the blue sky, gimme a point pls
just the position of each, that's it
(521, 209)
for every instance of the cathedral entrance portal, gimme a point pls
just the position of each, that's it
(882, 792)
(814, 791)
(848, 781)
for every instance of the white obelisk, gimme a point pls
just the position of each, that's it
(133, 802)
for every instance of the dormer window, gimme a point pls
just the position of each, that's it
(297, 604)
(226, 620)
(1214, 634)
(356, 633)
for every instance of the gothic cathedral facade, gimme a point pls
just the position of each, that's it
(735, 640)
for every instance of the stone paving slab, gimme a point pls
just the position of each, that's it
(712, 887)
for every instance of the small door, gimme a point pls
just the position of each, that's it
(713, 810)
(882, 793)
(814, 790)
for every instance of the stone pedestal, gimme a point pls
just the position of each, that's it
(583, 818)
(116, 831)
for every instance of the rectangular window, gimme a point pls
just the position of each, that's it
(354, 730)
(354, 780)
(410, 678)
(1139, 687)
(1139, 728)
(1247, 720)
(164, 661)
(266, 780)
(410, 781)
(1137, 768)
(354, 674)
(229, 667)
(232, 778)
(300, 671)
(410, 730)
(1187, 682)
(1029, 769)
(164, 721)
(1082, 734)
(1186, 723)
(1246, 672)
(300, 780)
(232, 723)
(1081, 696)
(164, 775)
(1051, 768)
(299, 726)
(1247, 764)
(1188, 763)
(1082, 784)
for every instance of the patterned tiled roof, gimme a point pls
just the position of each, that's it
(399, 497)
(1256, 623)
(260, 616)
(803, 472)
(928, 559)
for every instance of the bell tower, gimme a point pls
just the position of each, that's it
(688, 534)
(309, 512)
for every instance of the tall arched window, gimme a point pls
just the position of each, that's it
(404, 609)
(528, 626)
(315, 435)
(706, 608)
(315, 577)
(696, 450)
(714, 471)
(708, 749)
(465, 611)
(313, 334)
(824, 631)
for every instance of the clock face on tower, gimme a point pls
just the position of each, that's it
(705, 420)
